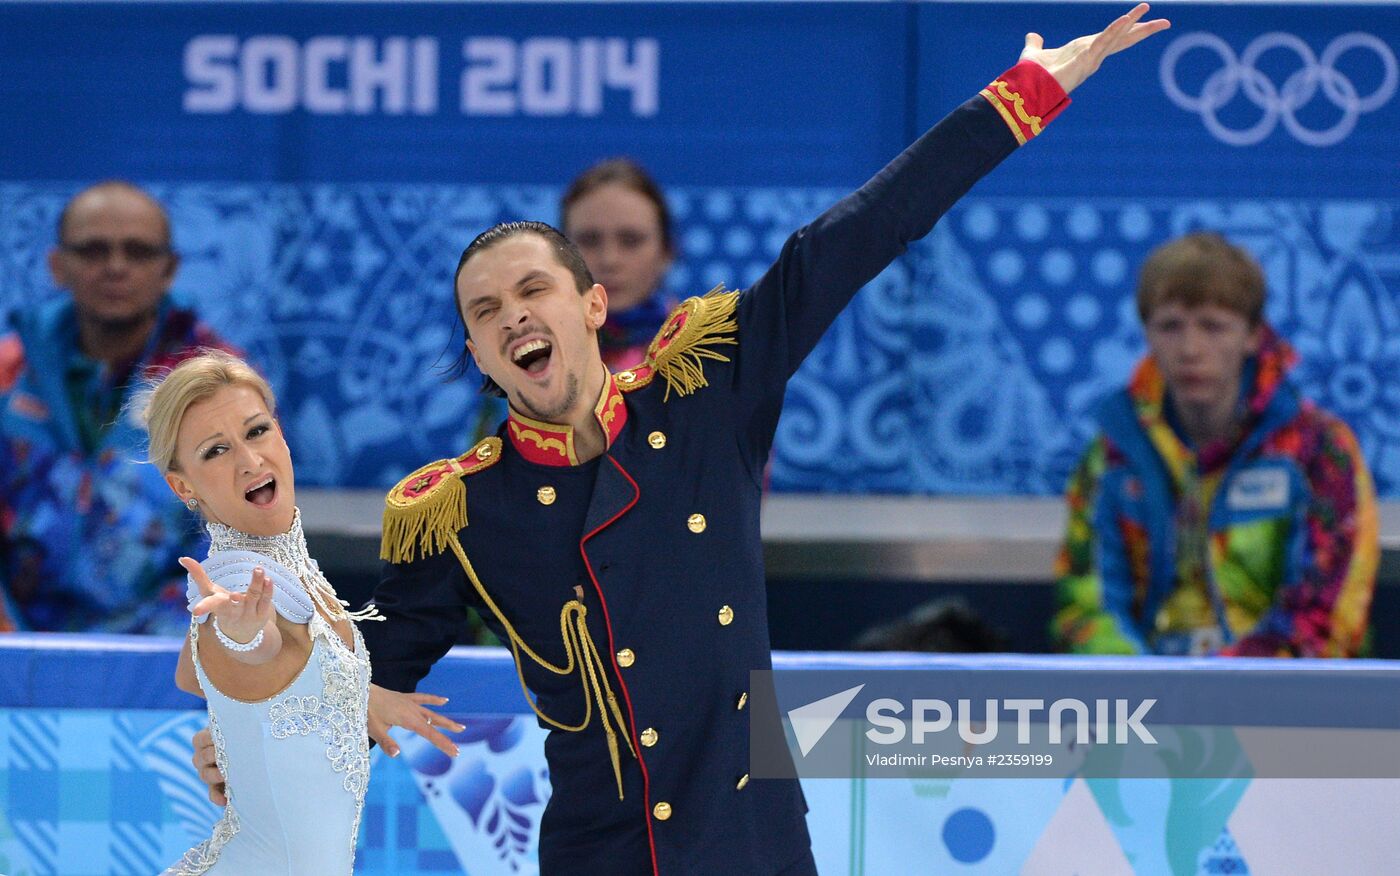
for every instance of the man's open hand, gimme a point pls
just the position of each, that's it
(1077, 60)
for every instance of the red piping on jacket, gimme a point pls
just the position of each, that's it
(612, 653)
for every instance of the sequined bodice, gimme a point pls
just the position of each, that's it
(296, 763)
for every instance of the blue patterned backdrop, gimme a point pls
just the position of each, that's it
(323, 243)
(971, 366)
(85, 792)
(96, 779)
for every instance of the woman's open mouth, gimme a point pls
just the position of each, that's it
(263, 492)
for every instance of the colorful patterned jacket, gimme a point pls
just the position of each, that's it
(1263, 547)
(88, 541)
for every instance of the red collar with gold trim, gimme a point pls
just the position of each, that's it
(553, 444)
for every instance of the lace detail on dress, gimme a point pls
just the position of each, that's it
(289, 549)
(304, 716)
(339, 716)
(345, 680)
(354, 687)
(205, 855)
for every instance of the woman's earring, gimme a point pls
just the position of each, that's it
(192, 504)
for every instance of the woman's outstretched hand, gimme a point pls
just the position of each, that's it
(241, 616)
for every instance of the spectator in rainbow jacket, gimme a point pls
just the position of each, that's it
(89, 534)
(1217, 511)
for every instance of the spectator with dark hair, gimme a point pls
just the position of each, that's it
(1217, 511)
(89, 535)
(941, 626)
(616, 215)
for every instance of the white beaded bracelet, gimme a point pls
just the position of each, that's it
(235, 646)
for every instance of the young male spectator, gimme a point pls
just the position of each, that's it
(1217, 511)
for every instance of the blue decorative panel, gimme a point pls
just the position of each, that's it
(319, 227)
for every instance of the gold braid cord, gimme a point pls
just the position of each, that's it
(689, 337)
(579, 651)
(422, 516)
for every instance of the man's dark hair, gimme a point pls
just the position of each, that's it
(564, 251)
(943, 626)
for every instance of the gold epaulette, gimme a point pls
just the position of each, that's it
(426, 509)
(423, 515)
(686, 340)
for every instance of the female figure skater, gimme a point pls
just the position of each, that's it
(275, 653)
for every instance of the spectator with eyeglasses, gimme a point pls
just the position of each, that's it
(89, 535)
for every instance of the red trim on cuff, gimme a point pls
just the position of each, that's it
(1028, 98)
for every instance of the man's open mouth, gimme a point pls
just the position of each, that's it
(533, 356)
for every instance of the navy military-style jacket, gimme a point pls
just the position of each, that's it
(645, 565)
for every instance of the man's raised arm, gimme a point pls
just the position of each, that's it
(824, 264)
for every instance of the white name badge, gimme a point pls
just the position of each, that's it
(1260, 489)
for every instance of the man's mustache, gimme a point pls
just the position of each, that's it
(527, 330)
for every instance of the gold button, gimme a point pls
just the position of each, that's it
(657, 440)
(626, 658)
(649, 737)
(743, 782)
(696, 523)
(661, 810)
(743, 700)
(726, 616)
(546, 495)
(626, 376)
(484, 452)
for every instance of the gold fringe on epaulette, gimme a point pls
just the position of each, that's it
(428, 524)
(425, 527)
(711, 322)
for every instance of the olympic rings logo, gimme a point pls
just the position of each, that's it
(1240, 75)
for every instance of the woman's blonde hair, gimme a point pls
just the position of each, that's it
(162, 405)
